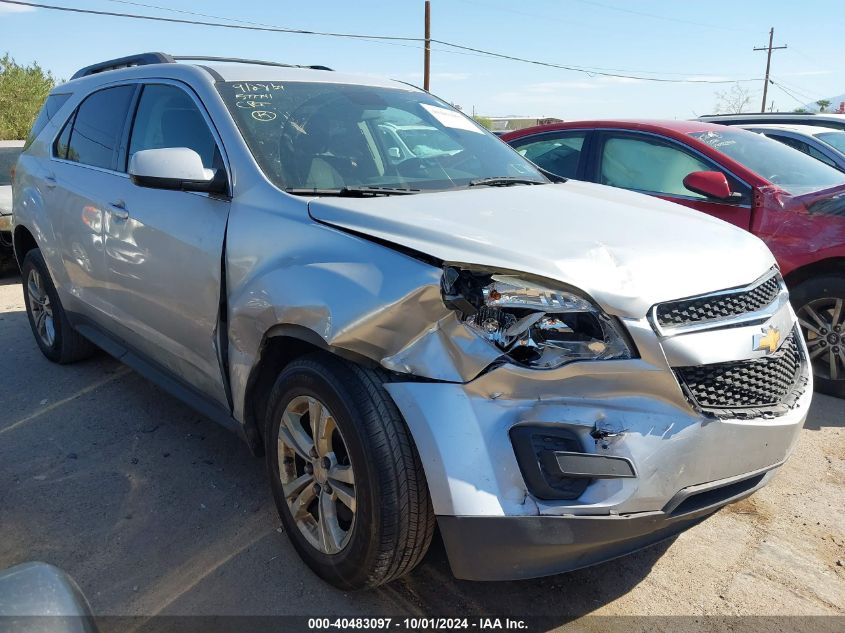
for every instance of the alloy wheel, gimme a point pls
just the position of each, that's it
(823, 324)
(42, 310)
(316, 474)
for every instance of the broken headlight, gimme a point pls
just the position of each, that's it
(532, 324)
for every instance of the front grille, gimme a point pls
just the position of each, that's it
(721, 306)
(749, 388)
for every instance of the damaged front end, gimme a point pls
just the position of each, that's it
(533, 324)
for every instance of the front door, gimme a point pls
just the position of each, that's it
(164, 249)
(658, 166)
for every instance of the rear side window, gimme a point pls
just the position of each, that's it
(558, 153)
(98, 127)
(60, 147)
(168, 117)
(52, 105)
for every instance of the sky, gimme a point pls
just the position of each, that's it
(670, 39)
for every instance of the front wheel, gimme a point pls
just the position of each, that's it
(820, 306)
(345, 474)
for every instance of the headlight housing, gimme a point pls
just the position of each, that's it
(534, 325)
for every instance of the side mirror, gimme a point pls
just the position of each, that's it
(176, 168)
(712, 184)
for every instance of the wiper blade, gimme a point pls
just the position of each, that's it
(503, 181)
(352, 192)
(377, 191)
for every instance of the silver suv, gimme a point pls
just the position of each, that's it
(554, 373)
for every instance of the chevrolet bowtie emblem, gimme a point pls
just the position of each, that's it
(768, 341)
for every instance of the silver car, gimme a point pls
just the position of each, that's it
(822, 143)
(555, 374)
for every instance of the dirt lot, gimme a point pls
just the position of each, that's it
(156, 511)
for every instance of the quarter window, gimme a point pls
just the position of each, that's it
(52, 105)
(559, 154)
(168, 117)
(648, 165)
(98, 127)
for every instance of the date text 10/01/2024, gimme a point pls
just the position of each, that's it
(415, 624)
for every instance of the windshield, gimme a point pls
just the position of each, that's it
(834, 139)
(8, 158)
(332, 136)
(779, 164)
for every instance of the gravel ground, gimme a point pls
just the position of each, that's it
(154, 510)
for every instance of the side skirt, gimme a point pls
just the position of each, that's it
(153, 372)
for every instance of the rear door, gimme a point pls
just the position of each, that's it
(656, 165)
(163, 251)
(82, 185)
(561, 153)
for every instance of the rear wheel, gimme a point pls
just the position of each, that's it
(54, 334)
(820, 306)
(345, 475)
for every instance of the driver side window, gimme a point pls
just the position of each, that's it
(646, 164)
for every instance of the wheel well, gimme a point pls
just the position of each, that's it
(282, 345)
(834, 265)
(276, 353)
(23, 242)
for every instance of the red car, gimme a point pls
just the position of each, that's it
(794, 203)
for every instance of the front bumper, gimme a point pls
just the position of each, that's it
(515, 548)
(493, 525)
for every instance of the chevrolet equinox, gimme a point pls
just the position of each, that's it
(412, 323)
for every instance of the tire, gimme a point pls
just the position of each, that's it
(56, 337)
(392, 524)
(823, 326)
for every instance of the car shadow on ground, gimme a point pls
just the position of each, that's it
(825, 412)
(10, 278)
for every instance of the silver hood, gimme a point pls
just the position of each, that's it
(626, 250)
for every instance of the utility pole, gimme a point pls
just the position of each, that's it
(768, 48)
(427, 53)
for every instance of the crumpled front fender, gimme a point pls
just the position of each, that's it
(358, 297)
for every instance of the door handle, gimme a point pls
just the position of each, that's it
(50, 180)
(118, 210)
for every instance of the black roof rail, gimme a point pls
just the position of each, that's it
(238, 60)
(141, 59)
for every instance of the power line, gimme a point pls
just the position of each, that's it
(801, 92)
(272, 29)
(662, 17)
(591, 72)
(385, 38)
(784, 90)
(454, 52)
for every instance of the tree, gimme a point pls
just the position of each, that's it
(22, 92)
(733, 101)
(800, 110)
(823, 103)
(484, 121)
